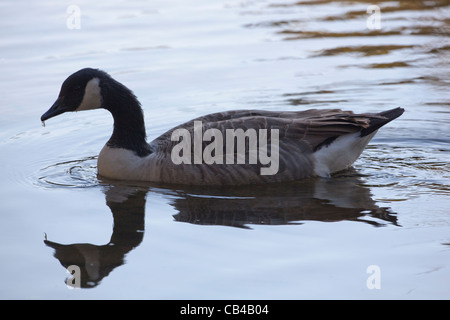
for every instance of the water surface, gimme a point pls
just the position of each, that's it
(307, 239)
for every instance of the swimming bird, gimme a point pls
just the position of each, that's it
(301, 144)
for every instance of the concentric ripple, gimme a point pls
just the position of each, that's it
(81, 173)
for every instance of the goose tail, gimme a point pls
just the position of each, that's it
(380, 119)
(343, 151)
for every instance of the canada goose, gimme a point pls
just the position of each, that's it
(300, 143)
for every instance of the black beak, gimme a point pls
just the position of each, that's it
(56, 109)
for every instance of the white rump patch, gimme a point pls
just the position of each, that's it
(92, 98)
(340, 154)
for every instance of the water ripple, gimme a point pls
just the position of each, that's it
(80, 173)
(407, 171)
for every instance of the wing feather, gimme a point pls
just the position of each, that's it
(300, 134)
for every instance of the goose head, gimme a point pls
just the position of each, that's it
(80, 91)
(89, 89)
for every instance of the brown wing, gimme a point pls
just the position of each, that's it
(310, 128)
(300, 134)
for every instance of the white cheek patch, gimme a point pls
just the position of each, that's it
(92, 98)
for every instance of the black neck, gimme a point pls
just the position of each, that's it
(129, 128)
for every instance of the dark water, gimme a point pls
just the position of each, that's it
(308, 239)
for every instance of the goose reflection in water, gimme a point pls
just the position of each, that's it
(97, 261)
(338, 199)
